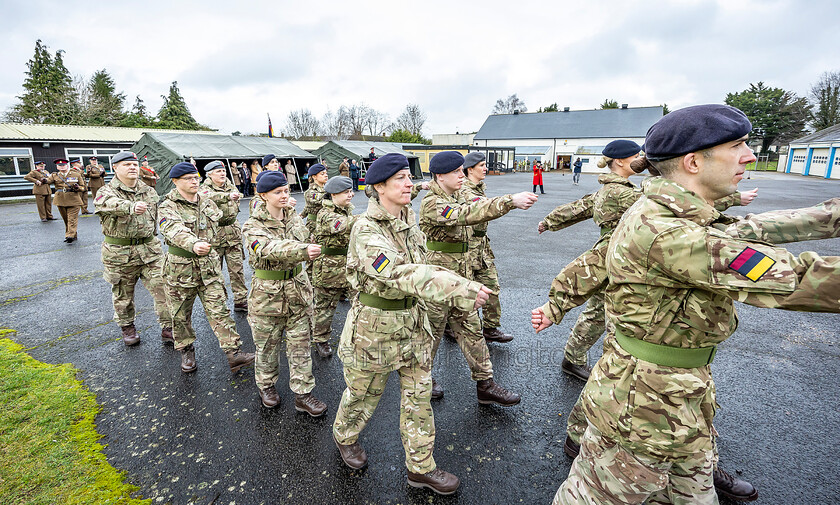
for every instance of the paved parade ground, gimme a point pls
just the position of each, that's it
(205, 438)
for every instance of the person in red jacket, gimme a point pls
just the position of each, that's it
(538, 177)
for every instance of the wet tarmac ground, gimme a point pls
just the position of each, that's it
(204, 437)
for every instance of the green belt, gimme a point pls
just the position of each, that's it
(606, 230)
(666, 355)
(334, 251)
(278, 275)
(127, 241)
(477, 233)
(447, 247)
(177, 251)
(227, 222)
(387, 303)
(311, 217)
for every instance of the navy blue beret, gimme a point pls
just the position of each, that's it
(261, 173)
(620, 149)
(267, 159)
(76, 160)
(214, 165)
(338, 184)
(314, 169)
(445, 162)
(183, 168)
(384, 167)
(270, 179)
(693, 129)
(122, 156)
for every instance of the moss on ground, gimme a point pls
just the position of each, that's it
(49, 449)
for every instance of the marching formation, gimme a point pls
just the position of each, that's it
(660, 281)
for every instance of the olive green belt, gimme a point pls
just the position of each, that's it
(278, 275)
(447, 247)
(128, 241)
(387, 303)
(227, 222)
(606, 230)
(311, 217)
(666, 355)
(334, 251)
(177, 251)
(477, 233)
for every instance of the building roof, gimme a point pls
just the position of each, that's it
(830, 134)
(308, 145)
(361, 148)
(197, 145)
(524, 150)
(600, 123)
(41, 132)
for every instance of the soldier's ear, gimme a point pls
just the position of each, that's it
(691, 163)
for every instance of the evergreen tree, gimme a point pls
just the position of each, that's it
(103, 104)
(609, 104)
(777, 115)
(175, 114)
(138, 117)
(49, 96)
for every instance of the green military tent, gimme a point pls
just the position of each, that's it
(164, 150)
(334, 151)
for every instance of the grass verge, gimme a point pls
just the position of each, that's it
(49, 449)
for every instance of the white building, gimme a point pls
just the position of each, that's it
(565, 136)
(814, 154)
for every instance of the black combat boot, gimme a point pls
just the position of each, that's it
(580, 371)
(733, 487)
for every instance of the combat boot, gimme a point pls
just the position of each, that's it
(188, 364)
(130, 336)
(269, 397)
(324, 349)
(437, 390)
(166, 335)
(437, 480)
(237, 359)
(490, 392)
(309, 404)
(733, 487)
(571, 448)
(496, 335)
(353, 454)
(580, 371)
(240, 307)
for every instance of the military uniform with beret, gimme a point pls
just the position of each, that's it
(69, 186)
(183, 223)
(39, 177)
(312, 197)
(673, 277)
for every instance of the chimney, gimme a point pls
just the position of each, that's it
(624, 106)
(515, 112)
(565, 109)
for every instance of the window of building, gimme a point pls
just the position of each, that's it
(15, 161)
(103, 156)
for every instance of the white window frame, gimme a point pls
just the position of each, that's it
(100, 153)
(15, 158)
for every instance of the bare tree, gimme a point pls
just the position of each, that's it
(825, 97)
(509, 104)
(337, 125)
(376, 123)
(411, 120)
(301, 123)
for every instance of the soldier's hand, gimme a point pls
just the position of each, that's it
(291, 203)
(314, 250)
(140, 207)
(235, 197)
(748, 196)
(201, 248)
(539, 321)
(482, 297)
(524, 200)
(38, 183)
(426, 185)
(541, 227)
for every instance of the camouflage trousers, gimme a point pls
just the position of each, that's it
(326, 301)
(213, 298)
(123, 280)
(588, 329)
(491, 312)
(467, 329)
(234, 256)
(417, 422)
(268, 334)
(606, 473)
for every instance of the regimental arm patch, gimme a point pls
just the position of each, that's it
(752, 264)
(447, 212)
(255, 245)
(476, 199)
(337, 224)
(162, 220)
(380, 263)
(98, 197)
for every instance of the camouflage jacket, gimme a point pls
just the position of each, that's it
(183, 223)
(230, 233)
(480, 254)
(386, 258)
(332, 230)
(611, 201)
(673, 278)
(312, 198)
(569, 213)
(277, 244)
(113, 204)
(64, 184)
(445, 218)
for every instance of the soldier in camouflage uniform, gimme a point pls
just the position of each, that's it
(673, 276)
(329, 275)
(130, 249)
(387, 328)
(228, 241)
(480, 254)
(313, 196)
(188, 222)
(281, 295)
(447, 217)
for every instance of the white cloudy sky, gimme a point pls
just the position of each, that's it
(236, 61)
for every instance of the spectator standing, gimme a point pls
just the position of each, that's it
(538, 180)
(576, 176)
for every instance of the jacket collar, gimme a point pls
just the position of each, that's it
(435, 189)
(682, 202)
(377, 212)
(613, 178)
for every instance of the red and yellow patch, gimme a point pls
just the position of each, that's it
(254, 246)
(380, 263)
(447, 212)
(752, 264)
